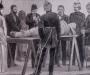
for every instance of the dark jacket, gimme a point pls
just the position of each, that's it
(30, 21)
(87, 23)
(87, 27)
(12, 24)
(49, 19)
(79, 19)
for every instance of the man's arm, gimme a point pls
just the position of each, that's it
(14, 27)
(71, 18)
(86, 23)
(58, 27)
(83, 24)
(11, 25)
(41, 28)
(29, 20)
(66, 18)
(83, 21)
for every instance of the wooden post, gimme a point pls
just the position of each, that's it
(77, 53)
(74, 44)
(30, 46)
(71, 57)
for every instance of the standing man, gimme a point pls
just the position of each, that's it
(87, 22)
(32, 20)
(48, 21)
(78, 18)
(62, 16)
(12, 25)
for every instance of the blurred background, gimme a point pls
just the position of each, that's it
(26, 5)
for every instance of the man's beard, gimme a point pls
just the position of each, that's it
(15, 12)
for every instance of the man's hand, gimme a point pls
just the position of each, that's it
(12, 33)
(8, 36)
(83, 31)
(23, 31)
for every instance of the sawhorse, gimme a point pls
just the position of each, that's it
(74, 47)
(29, 41)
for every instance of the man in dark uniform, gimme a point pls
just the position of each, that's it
(12, 21)
(78, 18)
(87, 24)
(62, 16)
(48, 21)
(32, 20)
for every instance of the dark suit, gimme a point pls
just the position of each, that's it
(49, 19)
(12, 25)
(30, 21)
(79, 19)
(87, 27)
(87, 22)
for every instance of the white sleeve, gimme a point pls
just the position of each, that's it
(4, 26)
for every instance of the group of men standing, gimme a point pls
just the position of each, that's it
(51, 19)
(44, 23)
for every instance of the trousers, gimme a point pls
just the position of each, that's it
(63, 44)
(51, 61)
(11, 54)
(36, 42)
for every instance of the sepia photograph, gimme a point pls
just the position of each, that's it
(44, 37)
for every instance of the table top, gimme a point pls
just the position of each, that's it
(21, 40)
(28, 39)
(68, 36)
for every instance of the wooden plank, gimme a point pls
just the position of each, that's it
(21, 40)
(77, 53)
(26, 60)
(71, 57)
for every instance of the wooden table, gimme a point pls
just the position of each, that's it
(29, 41)
(74, 45)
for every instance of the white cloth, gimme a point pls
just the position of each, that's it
(31, 32)
(3, 45)
(72, 27)
(65, 29)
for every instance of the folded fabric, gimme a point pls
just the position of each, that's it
(65, 29)
(31, 32)
(27, 33)
(73, 28)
